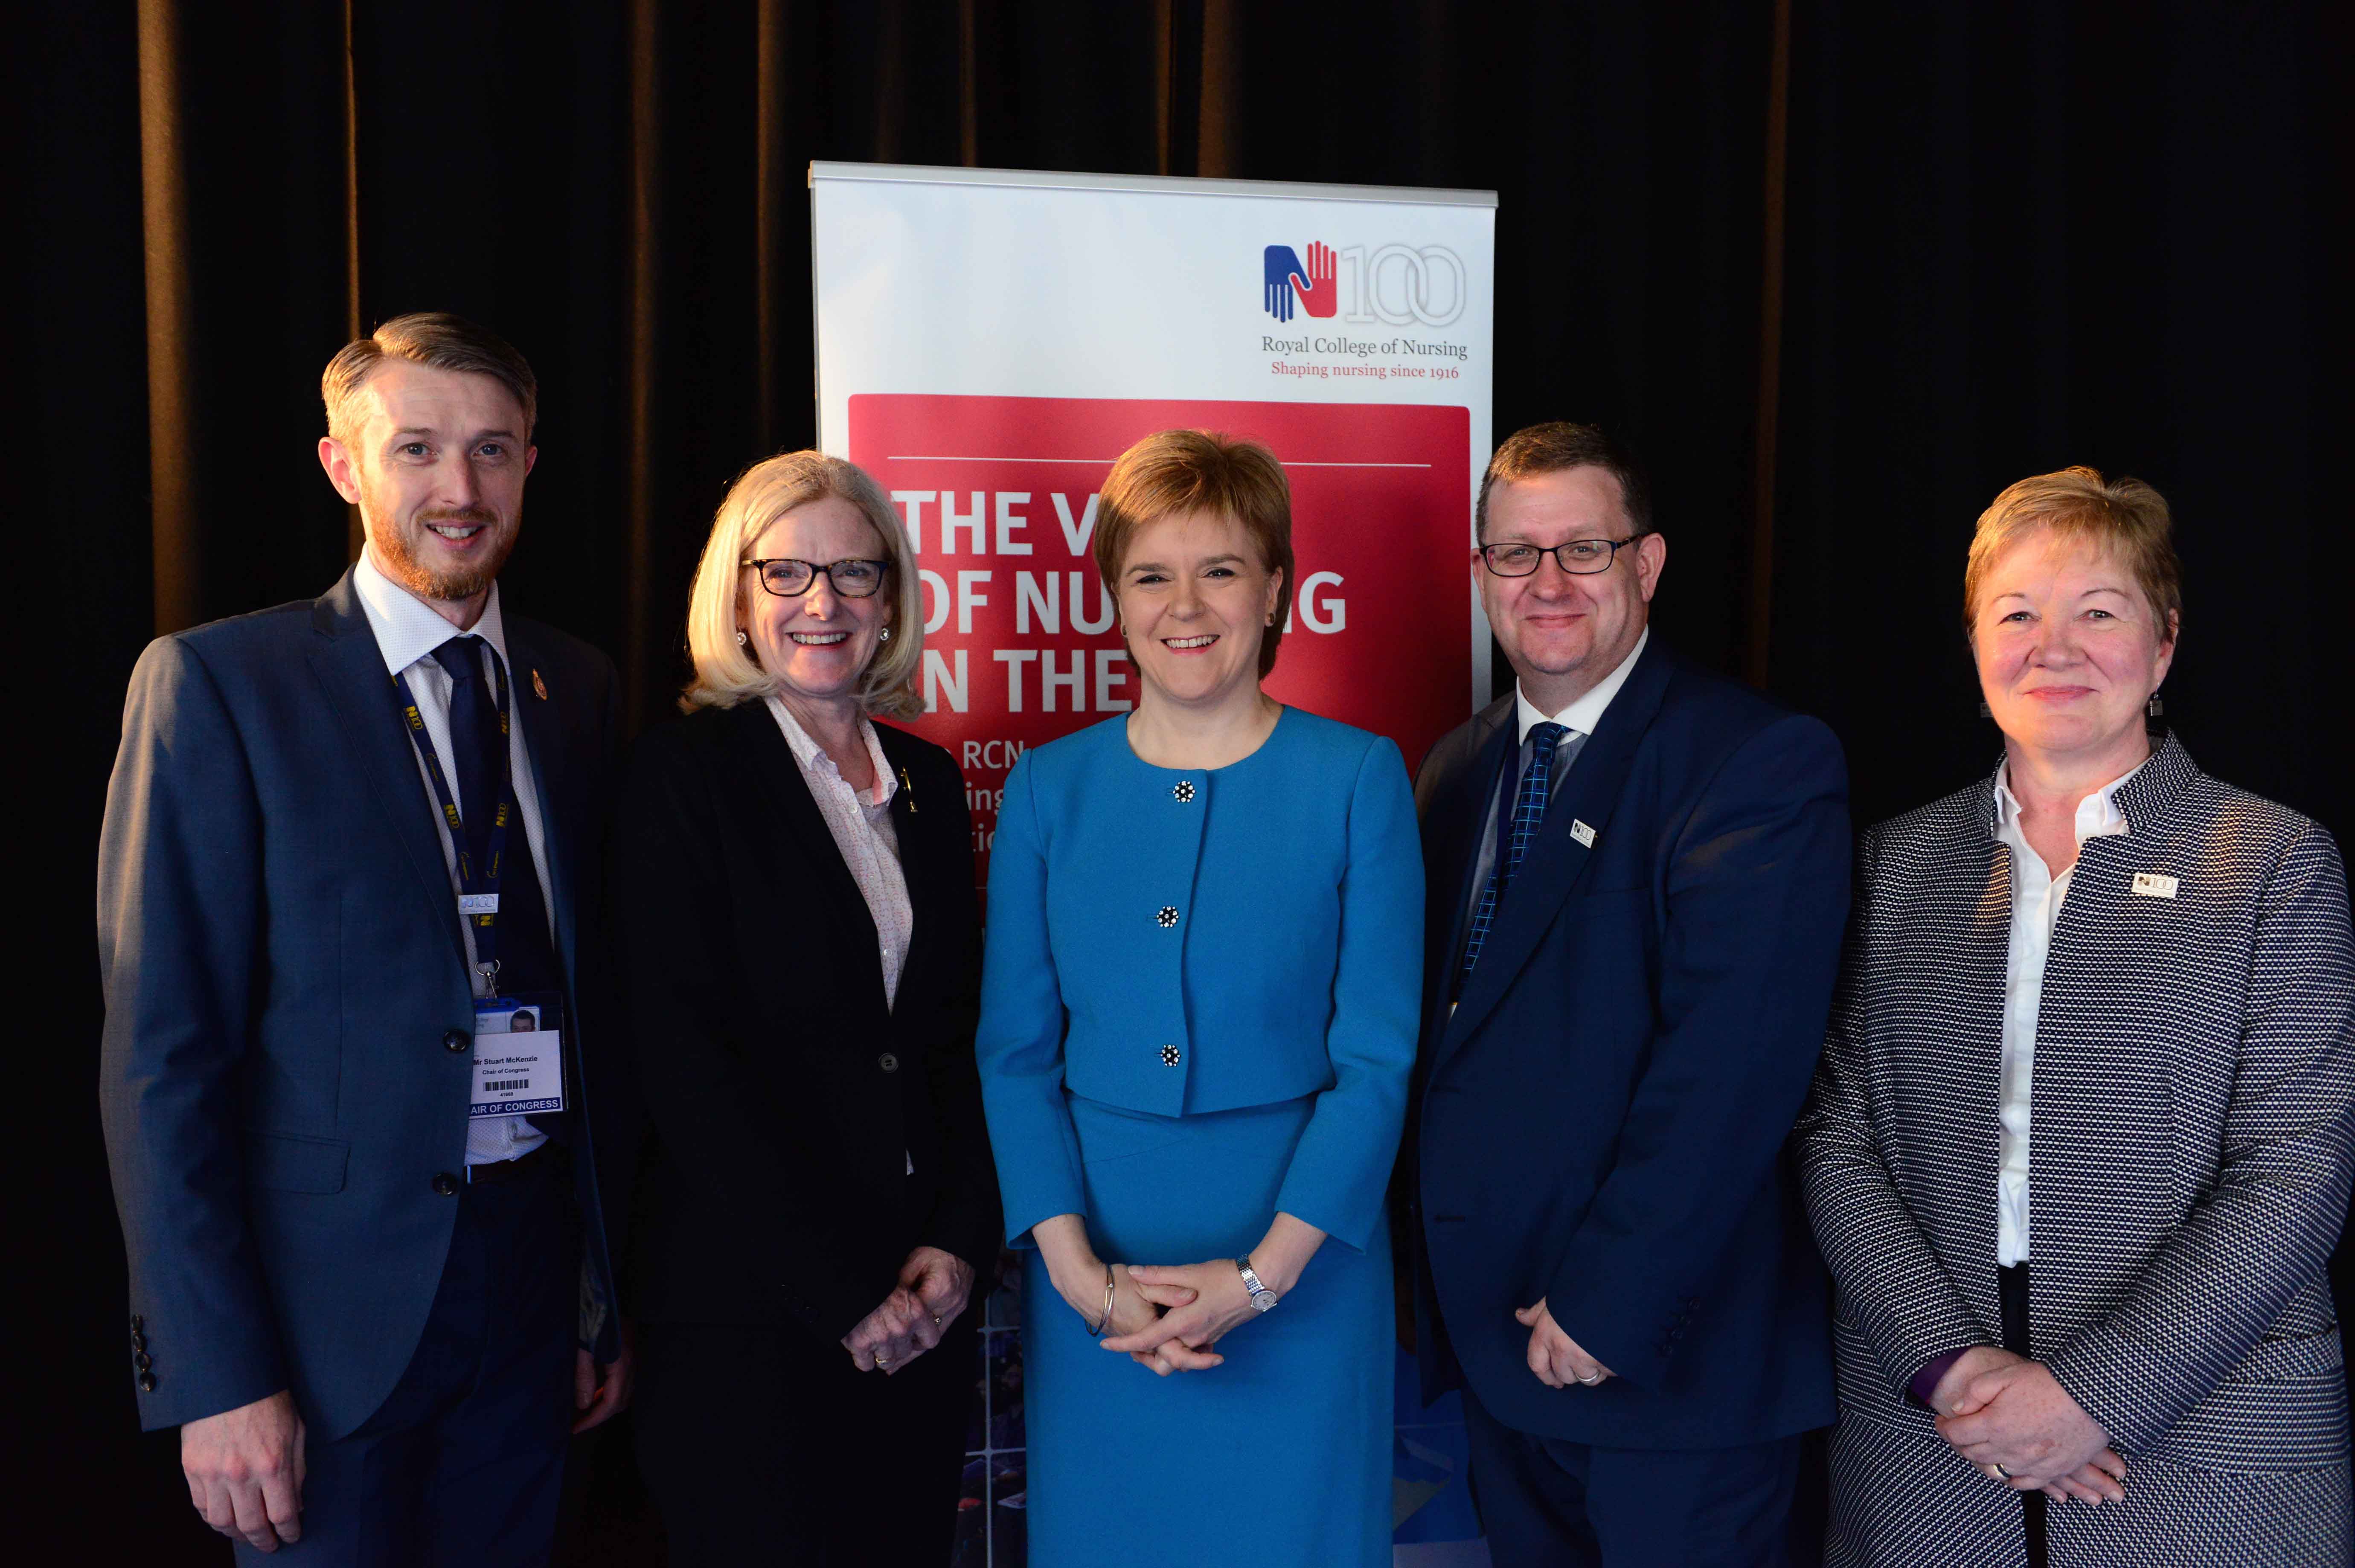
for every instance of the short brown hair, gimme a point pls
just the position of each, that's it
(1178, 471)
(2122, 517)
(435, 339)
(726, 673)
(1556, 445)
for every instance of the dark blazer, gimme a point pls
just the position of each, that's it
(285, 1068)
(786, 1097)
(1601, 1120)
(2193, 1149)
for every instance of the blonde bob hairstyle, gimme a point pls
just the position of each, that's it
(726, 673)
(1177, 470)
(2121, 518)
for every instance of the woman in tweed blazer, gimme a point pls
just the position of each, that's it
(2141, 977)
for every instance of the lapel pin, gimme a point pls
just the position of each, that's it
(908, 788)
(1583, 833)
(2151, 885)
(538, 687)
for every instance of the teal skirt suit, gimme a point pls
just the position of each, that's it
(1198, 1007)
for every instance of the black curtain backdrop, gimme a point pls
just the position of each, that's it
(1840, 270)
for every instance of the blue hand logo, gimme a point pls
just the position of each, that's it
(1277, 266)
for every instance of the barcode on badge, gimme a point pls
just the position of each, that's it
(497, 1085)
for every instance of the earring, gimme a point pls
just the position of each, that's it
(884, 635)
(740, 639)
(1271, 619)
(2154, 708)
(1985, 711)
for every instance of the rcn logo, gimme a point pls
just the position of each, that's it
(1399, 284)
(1317, 286)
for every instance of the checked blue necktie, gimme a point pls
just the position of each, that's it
(1530, 804)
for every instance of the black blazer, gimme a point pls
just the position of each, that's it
(785, 1096)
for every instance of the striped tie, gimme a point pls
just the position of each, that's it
(1529, 810)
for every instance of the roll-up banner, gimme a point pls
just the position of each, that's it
(989, 341)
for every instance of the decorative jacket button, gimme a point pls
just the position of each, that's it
(888, 1063)
(147, 1382)
(456, 1039)
(1182, 790)
(138, 1340)
(1171, 1056)
(444, 1183)
(141, 1362)
(137, 1321)
(1167, 917)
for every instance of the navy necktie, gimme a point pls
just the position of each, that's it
(526, 961)
(1515, 832)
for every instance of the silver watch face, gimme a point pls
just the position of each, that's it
(1261, 1300)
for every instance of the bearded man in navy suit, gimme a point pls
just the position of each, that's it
(1637, 876)
(372, 1295)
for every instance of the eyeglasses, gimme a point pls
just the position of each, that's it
(789, 579)
(1580, 558)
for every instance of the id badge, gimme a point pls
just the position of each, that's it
(518, 1056)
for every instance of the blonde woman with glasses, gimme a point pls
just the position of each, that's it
(800, 945)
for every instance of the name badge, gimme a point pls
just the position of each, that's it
(478, 903)
(2151, 885)
(1583, 833)
(518, 1059)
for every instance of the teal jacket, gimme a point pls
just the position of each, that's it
(1184, 940)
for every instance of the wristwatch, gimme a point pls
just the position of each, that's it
(1263, 1299)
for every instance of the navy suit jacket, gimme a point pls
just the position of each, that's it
(285, 1068)
(1600, 1120)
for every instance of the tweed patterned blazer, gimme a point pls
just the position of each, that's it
(2194, 1138)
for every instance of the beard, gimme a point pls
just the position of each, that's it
(401, 546)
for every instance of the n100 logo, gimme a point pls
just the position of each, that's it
(1396, 284)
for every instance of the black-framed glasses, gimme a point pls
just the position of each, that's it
(789, 579)
(1580, 558)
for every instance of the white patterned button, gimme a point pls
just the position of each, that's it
(1182, 790)
(1167, 917)
(1171, 1056)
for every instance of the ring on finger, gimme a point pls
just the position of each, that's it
(1590, 1382)
(1998, 1472)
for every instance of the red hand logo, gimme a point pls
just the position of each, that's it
(1320, 292)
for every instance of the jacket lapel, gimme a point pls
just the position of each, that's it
(1556, 861)
(557, 780)
(784, 795)
(350, 668)
(1459, 812)
(916, 869)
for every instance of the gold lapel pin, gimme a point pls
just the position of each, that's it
(538, 687)
(908, 788)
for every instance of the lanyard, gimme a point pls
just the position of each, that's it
(479, 886)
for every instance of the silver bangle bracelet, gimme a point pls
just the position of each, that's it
(1104, 1321)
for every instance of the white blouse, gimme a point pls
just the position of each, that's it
(862, 830)
(2036, 898)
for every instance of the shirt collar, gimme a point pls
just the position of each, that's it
(407, 628)
(1586, 713)
(2098, 814)
(813, 760)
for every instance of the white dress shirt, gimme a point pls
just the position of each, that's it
(2036, 898)
(862, 830)
(407, 631)
(1579, 719)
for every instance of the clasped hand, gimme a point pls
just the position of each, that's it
(1195, 1305)
(933, 1288)
(2001, 1410)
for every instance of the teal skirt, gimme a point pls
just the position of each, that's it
(1280, 1455)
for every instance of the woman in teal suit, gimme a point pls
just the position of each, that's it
(1197, 1019)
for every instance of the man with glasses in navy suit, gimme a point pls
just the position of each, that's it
(1637, 875)
(348, 921)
